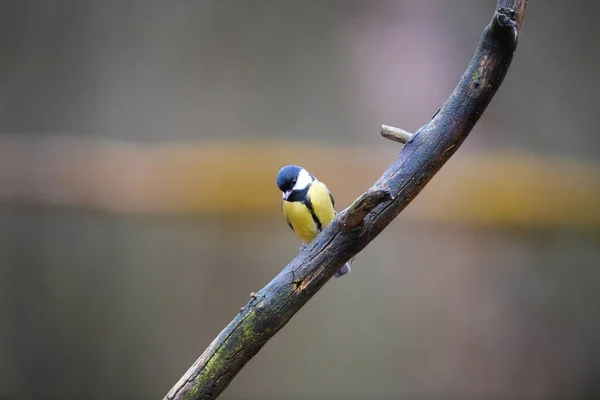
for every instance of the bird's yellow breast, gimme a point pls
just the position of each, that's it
(320, 198)
(300, 217)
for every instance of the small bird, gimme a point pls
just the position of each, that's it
(307, 205)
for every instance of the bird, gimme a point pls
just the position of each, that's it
(307, 204)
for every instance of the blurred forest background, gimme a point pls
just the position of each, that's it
(138, 208)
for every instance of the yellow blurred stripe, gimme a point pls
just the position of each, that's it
(230, 178)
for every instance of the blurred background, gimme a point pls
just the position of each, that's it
(138, 208)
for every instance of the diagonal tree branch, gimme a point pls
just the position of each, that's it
(272, 307)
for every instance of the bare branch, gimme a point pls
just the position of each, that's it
(273, 306)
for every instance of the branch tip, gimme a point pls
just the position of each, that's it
(396, 134)
(505, 18)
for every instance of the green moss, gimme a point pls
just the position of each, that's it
(191, 394)
(211, 369)
(247, 332)
(218, 363)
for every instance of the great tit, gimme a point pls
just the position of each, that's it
(307, 205)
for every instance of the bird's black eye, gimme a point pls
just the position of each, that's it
(293, 182)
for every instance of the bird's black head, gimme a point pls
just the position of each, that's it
(287, 177)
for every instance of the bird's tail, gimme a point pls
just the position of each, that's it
(345, 269)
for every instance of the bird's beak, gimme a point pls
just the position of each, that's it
(286, 194)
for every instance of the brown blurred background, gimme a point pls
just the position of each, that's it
(138, 209)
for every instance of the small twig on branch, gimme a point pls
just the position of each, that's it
(273, 306)
(396, 134)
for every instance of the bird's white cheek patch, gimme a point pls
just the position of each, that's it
(304, 179)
